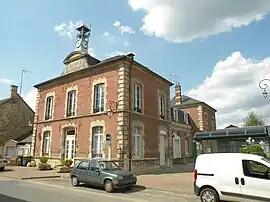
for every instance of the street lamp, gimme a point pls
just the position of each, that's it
(263, 85)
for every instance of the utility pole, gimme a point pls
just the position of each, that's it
(22, 74)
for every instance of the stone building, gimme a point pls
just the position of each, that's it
(114, 108)
(15, 125)
(201, 117)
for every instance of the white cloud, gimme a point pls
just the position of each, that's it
(5, 81)
(115, 53)
(67, 29)
(91, 52)
(126, 43)
(233, 89)
(110, 37)
(123, 28)
(30, 98)
(185, 20)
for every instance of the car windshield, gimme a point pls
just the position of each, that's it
(108, 165)
(266, 160)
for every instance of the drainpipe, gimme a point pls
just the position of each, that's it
(131, 56)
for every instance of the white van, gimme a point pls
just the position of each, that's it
(232, 177)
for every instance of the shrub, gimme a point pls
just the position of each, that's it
(254, 149)
(67, 162)
(44, 159)
(44, 166)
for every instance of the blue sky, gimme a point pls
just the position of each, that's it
(28, 41)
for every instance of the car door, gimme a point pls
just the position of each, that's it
(94, 174)
(82, 171)
(255, 182)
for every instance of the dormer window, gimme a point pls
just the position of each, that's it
(186, 119)
(175, 114)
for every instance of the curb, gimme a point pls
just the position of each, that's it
(41, 177)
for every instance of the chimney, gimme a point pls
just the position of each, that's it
(13, 91)
(131, 56)
(178, 94)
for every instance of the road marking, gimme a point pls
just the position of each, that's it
(88, 192)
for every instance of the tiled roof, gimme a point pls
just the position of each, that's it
(4, 100)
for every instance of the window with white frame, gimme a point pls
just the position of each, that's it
(137, 142)
(46, 143)
(162, 106)
(49, 108)
(176, 147)
(71, 103)
(99, 94)
(97, 141)
(138, 98)
(186, 120)
(187, 146)
(175, 114)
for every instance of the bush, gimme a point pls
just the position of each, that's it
(44, 166)
(44, 159)
(67, 162)
(254, 149)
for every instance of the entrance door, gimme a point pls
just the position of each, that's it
(70, 144)
(162, 149)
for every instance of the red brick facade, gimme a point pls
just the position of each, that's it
(115, 75)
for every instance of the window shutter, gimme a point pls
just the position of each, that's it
(172, 114)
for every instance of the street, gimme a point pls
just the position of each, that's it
(12, 190)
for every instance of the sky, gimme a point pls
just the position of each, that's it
(217, 50)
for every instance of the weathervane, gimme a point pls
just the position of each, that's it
(263, 85)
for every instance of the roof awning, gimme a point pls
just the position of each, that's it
(254, 131)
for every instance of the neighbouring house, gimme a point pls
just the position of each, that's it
(114, 108)
(199, 115)
(232, 139)
(15, 125)
(231, 126)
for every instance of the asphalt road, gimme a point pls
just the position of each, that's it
(60, 190)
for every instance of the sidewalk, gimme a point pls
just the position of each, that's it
(23, 173)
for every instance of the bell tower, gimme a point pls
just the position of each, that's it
(82, 38)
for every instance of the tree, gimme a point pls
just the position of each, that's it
(253, 119)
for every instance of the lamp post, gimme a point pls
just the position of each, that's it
(263, 85)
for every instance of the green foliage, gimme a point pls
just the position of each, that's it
(253, 149)
(44, 159)
(67, 162)
(44, 166)
(253, 119)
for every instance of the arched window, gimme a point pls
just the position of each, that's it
(97, 141)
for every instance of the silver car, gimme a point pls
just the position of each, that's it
(3, 163)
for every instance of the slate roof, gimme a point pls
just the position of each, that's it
(188, 101)
(4, 100)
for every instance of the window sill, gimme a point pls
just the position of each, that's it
(143, 159)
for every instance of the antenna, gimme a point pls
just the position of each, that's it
(23, 72)
(174, 79)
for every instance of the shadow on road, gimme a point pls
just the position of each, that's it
(5, 198)
(7, 170)
(133, 189)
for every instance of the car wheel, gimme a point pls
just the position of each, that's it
(74, 181)
(108, 186)
(2, 169)
(209, 195)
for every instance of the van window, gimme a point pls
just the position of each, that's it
(255, 169)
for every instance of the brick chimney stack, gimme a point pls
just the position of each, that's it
(13, 91)
(178, 94)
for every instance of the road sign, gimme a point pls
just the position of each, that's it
(108, 139)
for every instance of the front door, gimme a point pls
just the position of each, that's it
(176, 148)
(70, 145)
(162, 149)
(94, 177)
(255, 183)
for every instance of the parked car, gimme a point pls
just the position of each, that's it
(3, 163)
(104, 173)
(232, 177)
